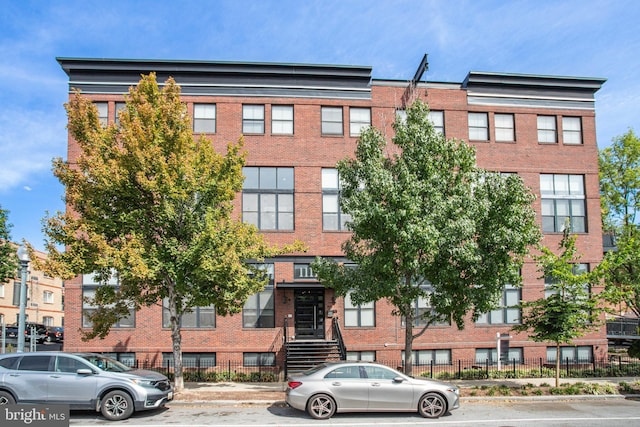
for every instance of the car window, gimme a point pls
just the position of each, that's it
(106, 363)
(10, 362)
(344, 372)
(67, 364)
(379, 373)
(34, 363)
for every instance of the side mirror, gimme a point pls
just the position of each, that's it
(398, 379)
(84, 371)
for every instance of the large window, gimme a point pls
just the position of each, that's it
(332, 216)
(359, 119)
(508, 312)
(47, 297)
(490, 355)
(198, 317)
(204, 118)
(578, 269)
(191, 360)
(369, 356)
(282, 119)
(478, 127)
(437, 119)
(259, 359)
(267, 198)
(563, 199)
(572, 130)
(572, 354)
(426, 357)
(332, 121)
(89, 285)
(103, 112)
(504, 127)
(358, 315)
(259, 309)
(120, 107)
(423, 310)
(547, 129)
(253, 119)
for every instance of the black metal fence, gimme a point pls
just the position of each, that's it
(613, 366)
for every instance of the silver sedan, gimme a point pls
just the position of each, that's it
(361, 386)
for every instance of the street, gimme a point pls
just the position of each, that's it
(516, 413)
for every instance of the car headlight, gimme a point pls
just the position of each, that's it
(143, 382)
(454, 390)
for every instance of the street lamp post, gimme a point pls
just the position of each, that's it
(23, 256)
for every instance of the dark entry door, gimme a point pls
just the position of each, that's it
(309, 313)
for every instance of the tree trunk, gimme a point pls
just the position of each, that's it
(557, 364)
(408, 345)
(176, 341)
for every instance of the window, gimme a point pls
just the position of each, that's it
(547, 129)
(103, 112)
(478, 127)
(360, 119)
(89, 285)
(562, 198)
(333, 219)
(572, 354)
(267, 198)
(572, 130)
(47, 297)
(204, 118)
(126, 358)
(303, 272)
(1, 290)
(198, 317)
(253, 119)
(69, 365)
(282, 119)
(120, 106)
(259, 359)
(401, 116)
(344, 372)
(358, 315)
(369, 356)
(331, 120)
(437, 118)
(490, 355)
(508, 312)
(504, 127)
(35, 363)
(549, 282)
(47, 320)
(426, 357)
(423, 312)
(191, 360)
(259, 309)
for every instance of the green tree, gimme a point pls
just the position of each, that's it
(570, 309)
(8, 259)
(428, 223)
(149, 201)
(620, 199)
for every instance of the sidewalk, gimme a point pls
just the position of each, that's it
(225, 393)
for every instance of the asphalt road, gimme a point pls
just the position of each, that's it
(493, 412)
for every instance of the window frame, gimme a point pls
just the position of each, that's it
(547, 135)
(502, 313)
(276, 123)
(424, 357)
(500, 128)
(198, 314)
(206, 122)
(256, 196)
(249, 121)
(326, 125)
(358, 124)
(103, 112)
(563, 194)
(265, 313)
(569, 135)
(437, 115)
(89, 287)
(264, 358)
(476, 129)
(492, 355)
(331, 190)
(365, 314)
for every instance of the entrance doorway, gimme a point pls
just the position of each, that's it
(309, 313)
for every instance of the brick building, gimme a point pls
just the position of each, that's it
(297, 121)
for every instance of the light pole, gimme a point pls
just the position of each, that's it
(23, 256)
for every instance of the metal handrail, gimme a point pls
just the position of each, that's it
(337, 336)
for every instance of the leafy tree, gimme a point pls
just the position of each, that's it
(428, 223)
(8, 259)
(151, 202)
(620, 199)
(570, 309)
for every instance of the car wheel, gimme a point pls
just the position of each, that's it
(321, 407)
(116, 405)
(48, 339)
(432, 405)
(6, 398)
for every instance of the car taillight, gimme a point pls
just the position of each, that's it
(294, 384)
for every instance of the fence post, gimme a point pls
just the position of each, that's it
(486, 367)
(459, 369)
(567, 359)
(431, 374)
(228, 370)
(541, 366)
(514, 368)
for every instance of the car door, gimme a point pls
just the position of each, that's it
(67, 386)
(28, 380)
(348, 387)
(385, 393)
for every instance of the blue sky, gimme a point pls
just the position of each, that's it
(587, 38)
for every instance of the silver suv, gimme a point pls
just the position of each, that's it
(82, 381)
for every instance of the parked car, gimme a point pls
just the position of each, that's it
(362, 386)
(54, 334)
(30, 329)
(83, 381)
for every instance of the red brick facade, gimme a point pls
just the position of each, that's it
(308, 151)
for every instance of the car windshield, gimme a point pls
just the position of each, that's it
(105, 363)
